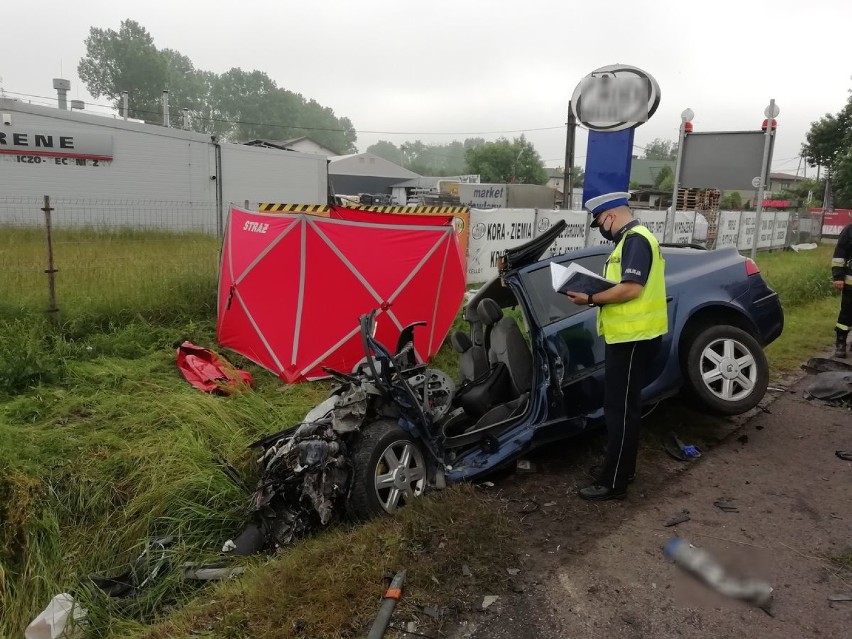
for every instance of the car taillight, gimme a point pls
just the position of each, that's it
(751, 267)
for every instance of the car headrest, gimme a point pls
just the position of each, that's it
(461, 342)
(489, 312)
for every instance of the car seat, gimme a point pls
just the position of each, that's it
(508, 346)
(494, 386)
(473, 360)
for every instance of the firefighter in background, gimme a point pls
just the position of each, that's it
(841, 273)
(632, 319)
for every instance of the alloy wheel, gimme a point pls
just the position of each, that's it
(400, 475)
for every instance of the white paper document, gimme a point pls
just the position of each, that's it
(577, 279)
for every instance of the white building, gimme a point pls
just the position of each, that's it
(70, 155)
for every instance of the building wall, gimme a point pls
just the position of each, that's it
(149, 163)
(270, 175)
(154, 165)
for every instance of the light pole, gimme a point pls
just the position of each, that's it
(685, 119)
(771, 112)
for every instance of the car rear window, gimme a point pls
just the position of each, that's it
(548, 305)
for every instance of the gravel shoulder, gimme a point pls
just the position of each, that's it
(597, 570)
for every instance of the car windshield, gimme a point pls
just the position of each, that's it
(548, 305)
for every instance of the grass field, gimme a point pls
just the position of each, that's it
(104, 445)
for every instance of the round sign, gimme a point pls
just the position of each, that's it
(478, 231)
(615, 97)
(772, 111)
(755, 182)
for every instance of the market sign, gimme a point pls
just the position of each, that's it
(32, 142)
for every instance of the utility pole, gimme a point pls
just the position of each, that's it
(568, 174)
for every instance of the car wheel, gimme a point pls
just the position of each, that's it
(727, 370)
(389, 471)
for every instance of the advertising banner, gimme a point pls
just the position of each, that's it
(491, 233)
(574, 235)
(833, 221)
(654, 221)
(767, 224)
(745, 239)
(782, 222)
(728, 229)
(684, 227)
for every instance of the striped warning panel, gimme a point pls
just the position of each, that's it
(277, 207)
(416, 210)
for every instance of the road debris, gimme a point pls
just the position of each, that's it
(488, 601)
(526, 466)
(843, 596)
(681, 517)
(726, 506)
(392, 595)
(678, 450)
(466, 571)
(844, 454)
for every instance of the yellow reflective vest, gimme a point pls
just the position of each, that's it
(646, 316)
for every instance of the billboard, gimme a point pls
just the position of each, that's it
(727, 160)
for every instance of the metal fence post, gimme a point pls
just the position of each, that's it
(52, 310)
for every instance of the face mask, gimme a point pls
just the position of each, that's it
(606, 234)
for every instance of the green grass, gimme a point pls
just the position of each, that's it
(109, 275)
(104, 445)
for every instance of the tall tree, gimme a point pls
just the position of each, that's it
(503, 161)
(126, 60)
(659, 149)
(427, 159)
(236, 105)
(828, 143)
(387, 150)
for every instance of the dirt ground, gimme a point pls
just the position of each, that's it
(598, 570)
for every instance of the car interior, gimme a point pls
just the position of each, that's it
(495, 373)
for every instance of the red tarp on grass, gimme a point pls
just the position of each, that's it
(292, 287)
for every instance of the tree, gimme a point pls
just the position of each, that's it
(664, 181)
(509, 162)
(660, 149)
(828, 143)
(126, 60)
(387, 150)
(236, 105)
(732, 201)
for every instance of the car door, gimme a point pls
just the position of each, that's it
(571, 338)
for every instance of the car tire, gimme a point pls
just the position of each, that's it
(726, 369)
(389, 471)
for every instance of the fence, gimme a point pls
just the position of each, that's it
(105, 256)
(112, 255)
(495, 230)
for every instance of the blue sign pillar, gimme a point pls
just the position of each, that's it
(608, 159)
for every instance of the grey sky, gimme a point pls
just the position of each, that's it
(443, 70)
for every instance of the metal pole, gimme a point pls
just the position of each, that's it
(764, 174)
(670, 219)
(165, 107)
(568, 174)
(393, 594)
(52, 310)
(124, 103)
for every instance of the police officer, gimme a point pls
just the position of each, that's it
(632, 317)
(841, 273)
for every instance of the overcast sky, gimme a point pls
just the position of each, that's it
(443, 70)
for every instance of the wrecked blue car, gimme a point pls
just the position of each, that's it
(530, 372)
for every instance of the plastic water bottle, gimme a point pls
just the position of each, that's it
(704, 567)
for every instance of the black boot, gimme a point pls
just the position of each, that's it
(840, 347)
